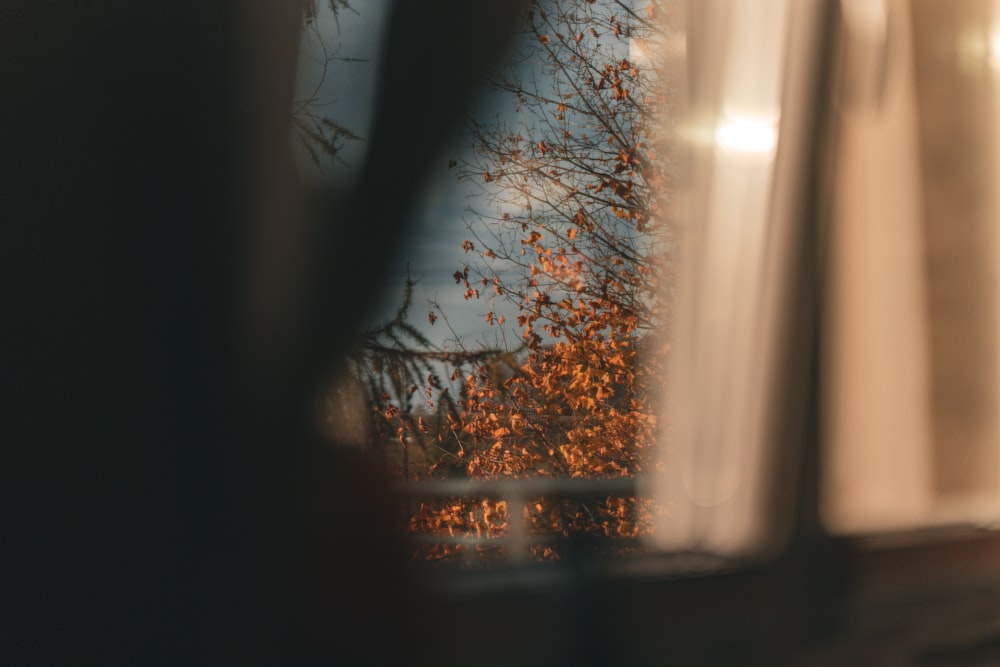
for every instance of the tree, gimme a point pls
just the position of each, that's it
(573, 254)
(412, 411)
(319, 135)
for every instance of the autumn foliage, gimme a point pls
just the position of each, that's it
(569, 260)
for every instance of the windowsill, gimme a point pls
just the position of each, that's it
(452, 579)
(896, 599)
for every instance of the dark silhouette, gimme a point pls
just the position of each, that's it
(170, 498)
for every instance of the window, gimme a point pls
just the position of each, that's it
(761, 178)
(829, 479)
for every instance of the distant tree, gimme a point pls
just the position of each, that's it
(411, 411)
(570, 259)
(573, 252)
(577, 243)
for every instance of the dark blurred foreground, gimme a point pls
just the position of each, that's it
(172, 304)
(171, 307)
